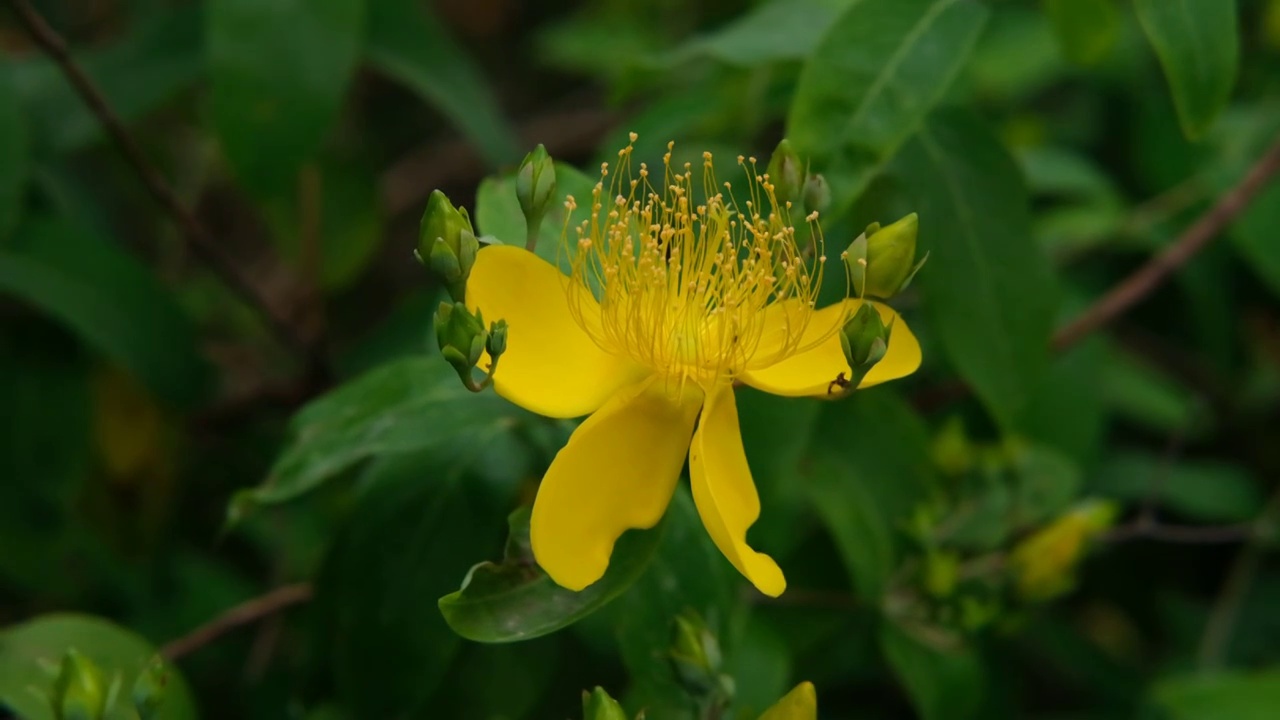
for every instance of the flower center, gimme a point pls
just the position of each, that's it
(683, 279)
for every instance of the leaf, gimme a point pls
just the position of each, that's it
(414, 404)
(278, 73)
(411, 535)
(941, 684)
(13, 147)
(760, 665)
(1201, 491)
(1140, 393)
(408, 44)
(1066, 410)
(777, 433)
(26, 650)
(988, 288)
(874, 77)
(775, 31)
(1198, 44)
(1086, 29)
(110, 301)
(1237, 695)
(498, 212)
(515, 600)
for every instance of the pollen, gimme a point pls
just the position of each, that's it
(688, 280)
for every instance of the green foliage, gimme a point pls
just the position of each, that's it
(1198, 43)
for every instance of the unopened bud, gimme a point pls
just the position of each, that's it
(149, 689)
(817, 194)
(891, 257)
(786, 172)
(447, 243)
(696, 654)
(79, 691)
(461, 337)
(536, 186)
(497, 342)
(865, 340)
(597, 705)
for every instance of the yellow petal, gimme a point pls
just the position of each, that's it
(617, 472)
(725, 493)
(811, 372)
(799, 704)
(551, 366)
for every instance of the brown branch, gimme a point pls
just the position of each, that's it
(242, 614)
(202, 242)
(1150, 276)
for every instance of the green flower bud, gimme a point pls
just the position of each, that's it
(597, 705)
(891, 257)
(149, 689)
(536, 186)
(696, 654)
(447, 243)
(817, 194)
(786, 172)
(497, 342)
(865, 340)
(461, 337)
(79, 691)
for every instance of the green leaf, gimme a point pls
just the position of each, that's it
(414, 404)
(1142, 394)
(515, 600)
(942, 684)
(1198, 44)
(110, 301)
(498, 211)
(760, 664)
(1220, 696)
(27, 651)
(989, 289)
(409, 44)
(1066, 410)
(1200, 491)
(412, 534)
(13, 147)
(776, 31)
(279, 73)
(1086, 29)
(873, 78)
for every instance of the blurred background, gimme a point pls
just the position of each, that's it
(219, 382)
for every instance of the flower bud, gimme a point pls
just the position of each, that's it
(865, 340)
(786, 172)
(536, 186)
(891, 257)
(447, 243)
(597, 705)
(696, 654)
(149, 689)
(461, 337)
(497, 342)
(817, 194)
(79, 691)
(1044, 563)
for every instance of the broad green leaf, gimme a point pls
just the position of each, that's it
(110, 301)
(988, 288)
(776, 31)
(416, 528)
(857, 523)
(1086, 29)
(1059, 172)
(941, 684)
(1198, 43)
(1140, 393)
(279, 73)
(29, 650)
(760, 664)
(1254, 236)
(515, 600)
(155, 61)
(874, 76)
(409, 44)
(1066, 410)
(1017, 55)
(415, 404)
(1199, 491)
(13, 147)
(1239, 695)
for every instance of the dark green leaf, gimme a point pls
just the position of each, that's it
(1066, 410)
(279, 74)
(988, 287)
(1203, 491)
(1198, 43)
(109, 300)
(13, 147)
(777, 432)
(1236, 695)
(760, 665)
(409, 44)
(515, 600)
(27, 651)
(1086, 29)
(943, 684)
(1142, 394)
(776, 31)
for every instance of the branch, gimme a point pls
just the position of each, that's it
(202, 242)
(1150, 276)
(242, 614)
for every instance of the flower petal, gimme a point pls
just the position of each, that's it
(725, 493)
(811, 372)
(617, 472)
(551, 366)
(799, 704)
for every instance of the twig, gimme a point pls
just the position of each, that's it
(242, 614)
(1143, 528)
(202, 242)
(1150, 276)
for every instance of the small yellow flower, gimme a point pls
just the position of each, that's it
(799, 704)
(1044, 564)
(673, 297)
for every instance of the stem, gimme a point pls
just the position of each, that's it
(242, 614)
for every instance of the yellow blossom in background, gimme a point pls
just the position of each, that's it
(677, 290)
(799, 704)
(1044, 564)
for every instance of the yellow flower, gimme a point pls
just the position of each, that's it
(670, 301)
(799, 704)
(1044, 563)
